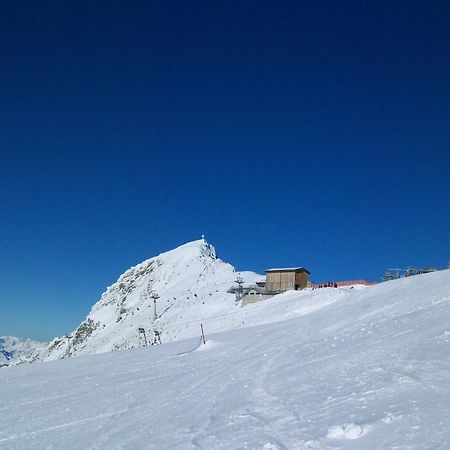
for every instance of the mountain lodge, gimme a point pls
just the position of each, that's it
(286, 279)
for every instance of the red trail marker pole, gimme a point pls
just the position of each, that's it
(203, 334)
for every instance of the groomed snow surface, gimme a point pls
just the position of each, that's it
(359, 369)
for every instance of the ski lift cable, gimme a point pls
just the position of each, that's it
(198, 290)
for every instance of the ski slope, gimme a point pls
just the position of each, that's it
(367, 369)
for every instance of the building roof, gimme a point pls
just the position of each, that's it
(289, 269)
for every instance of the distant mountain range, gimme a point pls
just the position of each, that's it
(14, 350)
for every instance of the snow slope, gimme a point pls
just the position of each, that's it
(14, 350)
(191, 283)
(370, 369)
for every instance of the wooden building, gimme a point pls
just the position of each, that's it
(287, 279)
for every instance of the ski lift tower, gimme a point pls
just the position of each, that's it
(397, 273)
(142, 337)
(156, 339)
(240, 290)
(68, 337)
(155, 297)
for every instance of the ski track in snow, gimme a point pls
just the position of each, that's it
(265, 407)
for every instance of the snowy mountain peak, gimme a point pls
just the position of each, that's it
(186, 285)
(184, 254)
(198, 247)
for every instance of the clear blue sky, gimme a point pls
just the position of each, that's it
(290, 133)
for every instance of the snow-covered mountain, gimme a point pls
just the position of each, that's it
(328, 369)
(14, 350)
(190, 284)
